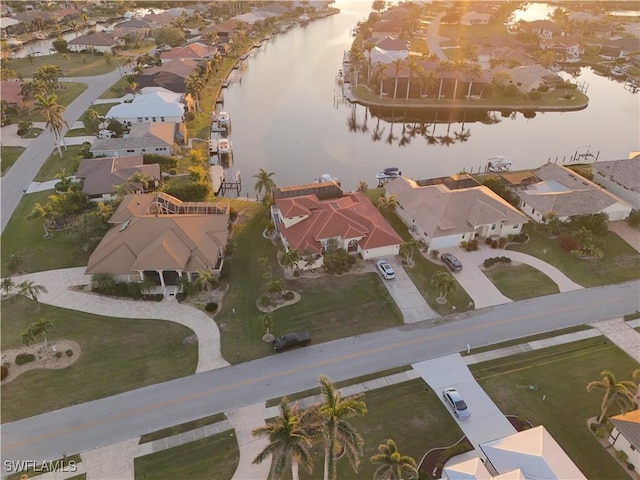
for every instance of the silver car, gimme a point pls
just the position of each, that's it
(385, 269)
(455, 401)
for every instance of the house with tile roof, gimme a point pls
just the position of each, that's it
(568, 47)
(11, 93)
(171, 75)
(625, 436)
(620, 177)
(101, 176)
(159, 237)
(444, 212)
(96, 41)
(194, 51)
(565, 193)
(142, 138)
(157, 107)
(306, 223)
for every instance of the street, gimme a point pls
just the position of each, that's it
(102, 422)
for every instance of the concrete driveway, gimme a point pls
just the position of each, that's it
(486, 422)
(410, 301)
(483, 291)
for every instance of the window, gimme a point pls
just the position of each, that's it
(533, 211)
(144, 149)
(517, 225)
(463, 236)
(131, 151)
(162, 119)
(153, 119)
(146, 118)
(493, 227)
(139, 119)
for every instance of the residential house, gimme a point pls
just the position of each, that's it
(532, 77)
(158, 107)
(171, 75)
(142, 138)
(620, 48)
(10, 26)
(159, 237)
(528, 454)
(386, 28)
(443, 212)
(475, 18)
(133, 29)
(307, 223)
(194, 51)
(101, 176)
(620, 177)
(543, 28)
(163, 19)
(506, 56)
(566, 194)
(568, 48)
(224, 30)
(388, 49)
(11, 93)
(625, 436)
(97, 41)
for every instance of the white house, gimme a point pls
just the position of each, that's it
(620, 177)
(97, 41)
(447, 211)
(625, 436)
(158, 107)
(143, 138)
(474, 18)
(566, 194)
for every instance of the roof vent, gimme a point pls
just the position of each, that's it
(124, 225)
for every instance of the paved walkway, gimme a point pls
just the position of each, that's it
(434, 38)
(110, 462)
(244, 420)
(627, 233)
(483, 292)
(57, 282)
(620, 333)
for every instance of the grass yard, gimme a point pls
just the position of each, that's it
(25, 237)
(116, 90)
(620, 262)
(562, 374)
(130, 353)
(8, 156)
(67, 94)
(331, 307)
(76, 65)
(103, 108)
(518, 282)
(212, 458)
(71, 156)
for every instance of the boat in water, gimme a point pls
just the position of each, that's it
(389, 172)
(498, 164)
(224, 145)
(617, 72)
(223, 118)
(325, 177)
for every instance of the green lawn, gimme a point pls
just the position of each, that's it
(24, 237)
(77, 65)
(562, 374)
(620, 262)
(331, 307)
(68, 92)
(130, 354)
(212, 458)
(518, 282)
(103, 108)
(69, 161)
(116, 90)
(8, 156)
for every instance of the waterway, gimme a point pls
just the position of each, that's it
(287, 119)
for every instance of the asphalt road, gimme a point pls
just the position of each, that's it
(22, 173)
(102, 422)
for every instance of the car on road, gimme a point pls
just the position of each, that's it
(455, 401)
(385, 269)
(290, 340)
(451, 261)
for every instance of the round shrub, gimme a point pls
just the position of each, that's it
(58, 355)
(534, 95)
(211, 307)
(181, 297)
(502, 242)
(4, 371)
(296, 273)
(488, 241)
(543, 88)
(487, 263)
(265, 301)
(435, 253)
(288, 295)
(25, 358)
(68, 352)
(494, 244)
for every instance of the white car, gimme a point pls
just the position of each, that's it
(385, 269)
(455, 401)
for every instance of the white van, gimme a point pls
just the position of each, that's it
(106, 134)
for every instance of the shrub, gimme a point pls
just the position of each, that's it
(464, 244)
(535, 95)
(487, 263)
(25, 358)
(488, 241)
(494, 244)
(4, 371)
(58, 355)
(265, 301)
(211, 307)
(473, 244)
(634, 219)
(435, 253)
(621, 455)
(543, 88)
(502, 242)
(568, 243)
(181, 297)
(601, 432)
(631, 466)
(68, 352)
(296, 273)
(288, 295)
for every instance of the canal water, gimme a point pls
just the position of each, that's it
(287, 118)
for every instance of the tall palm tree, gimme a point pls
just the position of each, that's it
(368, 46)
(444, 283)
(413, 69)
(397, 65)
(275, 287)
(144, 180)
(355, 60)
(409, 248)
(362, 186)
(42, 328)
(28, 337)
(618, 392)
(49, 108)
(338, 434)
(7, 285)
(193, 87)
(289, 440)
(290, 258)
(473, 71)
(379, 74)
(394, 465)
(264, 182)
(31, 290)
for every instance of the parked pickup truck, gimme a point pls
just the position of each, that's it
(290, 340)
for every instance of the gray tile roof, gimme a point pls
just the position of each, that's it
(625, 172)
(142, 135)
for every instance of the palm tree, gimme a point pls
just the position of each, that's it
(52, 111)
(379, 73)
(444, 283)
(264, 182)
(620, 393)
(338, 434)
(144, 180)
(30, 290)
(362, 186)
(28, 337)
(397, 65)
(275, 287)
(7, 285)
(355, 59)
(44, 213)
(394, 465)
(193, 87)
(290, 258)
(387, 204)
(205, 280)
(368, 46)
(41, 328)
(473, 71)
(413, 68)
(408, 249)
(289, 440)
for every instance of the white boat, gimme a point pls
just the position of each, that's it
(389, 172)
(325, 177)
(224, 145)
(223, 118)
(340, 74)
(498, 164)
(304, 18)
(617, 72)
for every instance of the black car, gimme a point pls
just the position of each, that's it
(290, 340)
(451, 262)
